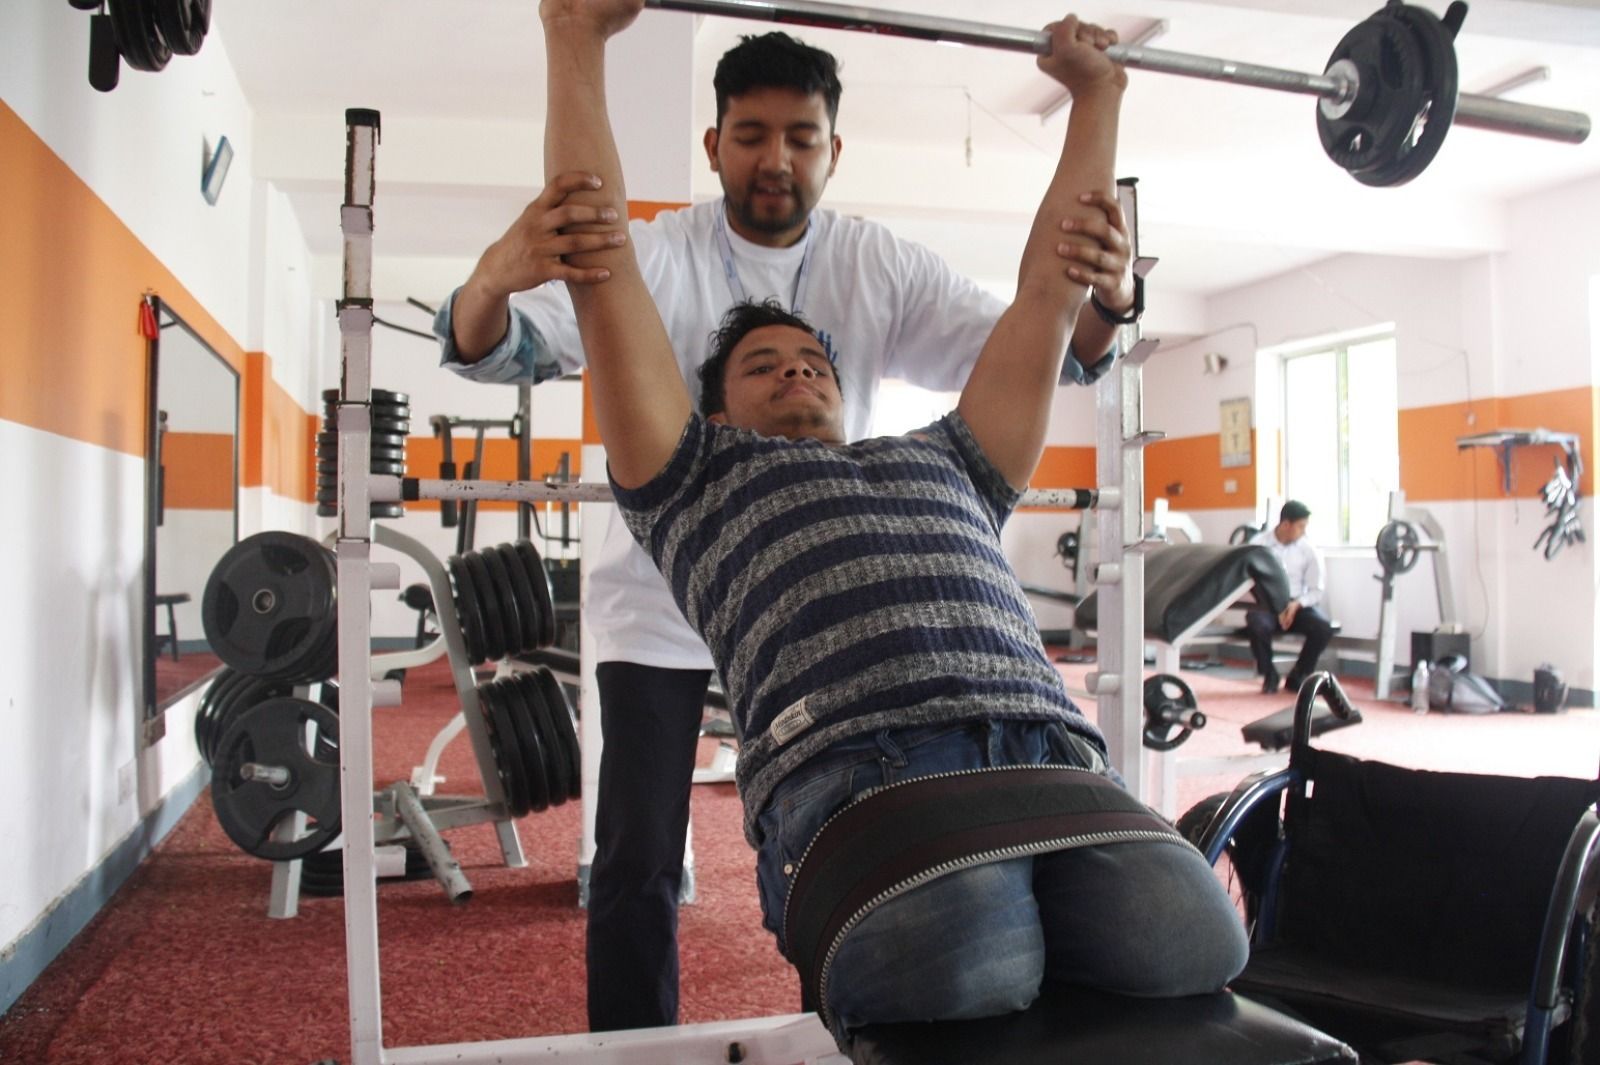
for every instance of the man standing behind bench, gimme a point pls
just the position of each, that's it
(856, 598)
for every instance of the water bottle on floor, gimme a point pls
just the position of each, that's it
(1419, 687)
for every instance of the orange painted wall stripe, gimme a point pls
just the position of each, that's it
(71, 278)
(1193, 465)
(1433, 468)
(198, 470)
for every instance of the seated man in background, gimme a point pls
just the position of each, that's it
(856, 598)
(1303, 565)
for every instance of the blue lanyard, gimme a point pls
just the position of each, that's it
(731, 271)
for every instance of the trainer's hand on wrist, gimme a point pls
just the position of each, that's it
(531, 252)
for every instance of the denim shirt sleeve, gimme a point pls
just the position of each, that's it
(1074, 372)
(521, 355)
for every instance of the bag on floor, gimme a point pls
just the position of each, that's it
(1453, 689)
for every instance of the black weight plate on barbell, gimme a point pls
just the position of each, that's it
(466, 603)
(267, 603)
(533, 565)
(489, 609)
(1437, 111)
(319, 658)
(535, 770)
(555, 700)
(1161, 690)
(1391, 74)
(510, 609)
(239, 699)
(138, 38)
(273, 733)
(552, 759)
(507, 751)
(522, 592)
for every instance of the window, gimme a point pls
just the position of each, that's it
(1341, 438)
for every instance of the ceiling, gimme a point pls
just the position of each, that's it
(1234, 185)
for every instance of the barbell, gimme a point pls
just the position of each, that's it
(1386, 100)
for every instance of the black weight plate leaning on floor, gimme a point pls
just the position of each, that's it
(466, 602)
(489, 609)
(508, 751)
(522, 592)
(533, 565)
(555, 754)
(535, 773)
(510, 609)
(555, 700)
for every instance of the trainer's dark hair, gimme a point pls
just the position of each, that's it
(1294, 510)
(741, 320)
(777, 61)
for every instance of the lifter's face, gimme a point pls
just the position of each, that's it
(779, 382)
(774, 153)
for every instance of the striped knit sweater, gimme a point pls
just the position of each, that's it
(845, 589)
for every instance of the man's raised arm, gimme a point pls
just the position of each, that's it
(1007, 399)
(640, 400)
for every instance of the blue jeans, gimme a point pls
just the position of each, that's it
(1139, 918)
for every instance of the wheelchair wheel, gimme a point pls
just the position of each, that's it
(1583, 1039)
(1245, 860)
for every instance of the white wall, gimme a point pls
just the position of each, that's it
(72, 770)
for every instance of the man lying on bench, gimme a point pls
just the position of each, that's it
(862, 615)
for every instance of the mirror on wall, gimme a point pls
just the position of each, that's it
(192, 505)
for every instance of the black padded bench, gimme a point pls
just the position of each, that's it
(1075, 1026)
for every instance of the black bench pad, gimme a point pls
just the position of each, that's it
(1075, 1026)
(1184, 583)
(1274, 731)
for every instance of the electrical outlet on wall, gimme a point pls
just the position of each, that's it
(1230, 486)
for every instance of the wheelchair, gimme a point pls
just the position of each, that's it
(1416, 915)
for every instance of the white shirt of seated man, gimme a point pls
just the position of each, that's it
(1303, 563)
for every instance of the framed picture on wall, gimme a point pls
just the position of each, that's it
(1236, 450)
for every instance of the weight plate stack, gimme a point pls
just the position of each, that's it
(490, 610)
(465, 597)
(230, 694)
(566, 730)
(271, 737)
(533, 566)
(391, 424)
(268, 608)
(535, 769)
(507, 752)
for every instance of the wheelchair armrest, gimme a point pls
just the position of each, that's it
(1574, 891)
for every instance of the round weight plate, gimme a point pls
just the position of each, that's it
(390, 450)
(1161, 690)
(320, 660)
(400, 427)
(533, 565)
(555, 700)
(535, 769)
(211, 704)
(1434, 114)
(466, 609)
(1398, 546)
(507, 751)
(268, 603)
(138, 37)
(522, 592)
(489, 609)
(273, 734)
(552, 759)
(510, 609)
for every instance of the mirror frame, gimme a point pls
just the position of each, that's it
(153, 721)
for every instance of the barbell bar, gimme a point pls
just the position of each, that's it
(411, 489)
(1479, 112)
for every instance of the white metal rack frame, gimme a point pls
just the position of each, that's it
(782, 1040)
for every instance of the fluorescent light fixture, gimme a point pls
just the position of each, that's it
(216, 171)
(1155, 28)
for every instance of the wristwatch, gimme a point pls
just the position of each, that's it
(1134, 313)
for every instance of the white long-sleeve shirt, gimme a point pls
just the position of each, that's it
(1301, 562)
